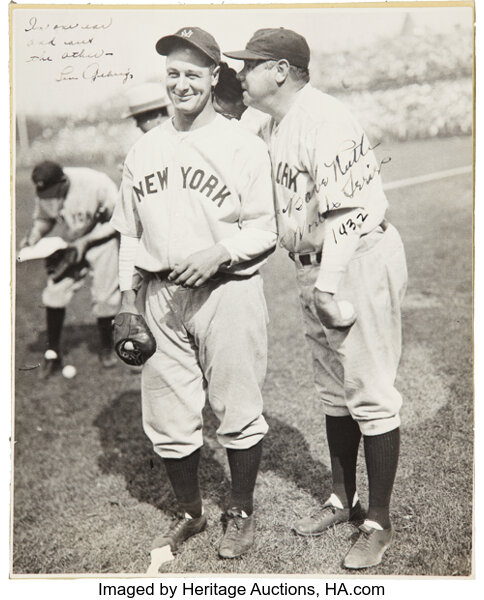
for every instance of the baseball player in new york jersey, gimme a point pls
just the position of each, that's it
(196, 217)
(79, 201)
(351, 272)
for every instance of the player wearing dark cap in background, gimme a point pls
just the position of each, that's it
(351, 273)
(227, 94)
(80, 202)
(196, 216)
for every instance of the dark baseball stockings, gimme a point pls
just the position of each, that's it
(244, 466)
(55, 321)
(344, 436)
(183, 476)
(105, 328)
(381, 454)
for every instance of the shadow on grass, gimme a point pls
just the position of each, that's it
(128, 452)
(287, 454)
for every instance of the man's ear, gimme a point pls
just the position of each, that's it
(215, 74)
(282, 71)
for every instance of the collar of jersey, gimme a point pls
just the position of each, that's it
(300, 97)
(193, 132)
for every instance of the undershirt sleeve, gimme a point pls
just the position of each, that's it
(129, 278)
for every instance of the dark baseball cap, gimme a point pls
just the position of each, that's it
(275, 44)
(49, 179)
(193, 36)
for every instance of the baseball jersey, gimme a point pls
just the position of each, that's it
(90, 201)
(184, 191)
(327, 180)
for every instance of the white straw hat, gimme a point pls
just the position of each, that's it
(145, 97)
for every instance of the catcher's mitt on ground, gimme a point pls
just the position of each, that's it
(133, 341)
(62, 263)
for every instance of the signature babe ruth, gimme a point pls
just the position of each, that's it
(196, 216)
(147, 105)
(351, 273)
(80, 202)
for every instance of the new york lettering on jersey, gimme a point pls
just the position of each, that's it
(192, 178)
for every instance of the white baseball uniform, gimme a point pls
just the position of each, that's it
(330, 209)
(183, 192)
(89, 204)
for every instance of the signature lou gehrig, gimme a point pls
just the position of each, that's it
(196, 218)
(331, 219)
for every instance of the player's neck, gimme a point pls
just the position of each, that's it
(283, 101)
(189, 121)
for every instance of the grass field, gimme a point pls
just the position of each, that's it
(89, 494)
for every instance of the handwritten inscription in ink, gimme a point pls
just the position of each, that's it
(79, 47)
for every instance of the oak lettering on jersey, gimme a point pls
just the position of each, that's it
(286, 176)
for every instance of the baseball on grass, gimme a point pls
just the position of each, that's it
(346, 309)
(69, 371)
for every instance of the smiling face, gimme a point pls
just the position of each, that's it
(258, 82)
(190, 76)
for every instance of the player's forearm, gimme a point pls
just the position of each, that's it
(249, 244)
(39, 229)
(128, 302)
(102, 232)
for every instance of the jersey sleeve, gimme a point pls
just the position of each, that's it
(257, 223)
(125, 218)
(39, 213)
(107, 197)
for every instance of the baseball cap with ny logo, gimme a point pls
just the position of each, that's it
(194, 36)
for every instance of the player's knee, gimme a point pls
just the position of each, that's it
(55, 298)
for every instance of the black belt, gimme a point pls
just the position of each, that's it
(314, 258)
(161, 275)
(218, 277)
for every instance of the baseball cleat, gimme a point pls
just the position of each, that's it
(184, 528)
(51, 363)
(239, 533)
(368, 549)
(330, 515)
(108, 359)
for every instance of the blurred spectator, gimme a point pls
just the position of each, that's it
(147, 105)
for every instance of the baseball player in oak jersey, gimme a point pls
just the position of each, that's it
(79, 201)
(351, 273)
(196, 218)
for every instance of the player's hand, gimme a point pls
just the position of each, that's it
(24, 242)
(29, 240)
(195, 270)
(81, 246)
(329, 312)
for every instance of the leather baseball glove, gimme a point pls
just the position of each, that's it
(133, 341)
(62, 263)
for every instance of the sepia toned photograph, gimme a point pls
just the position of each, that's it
(243, 290)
